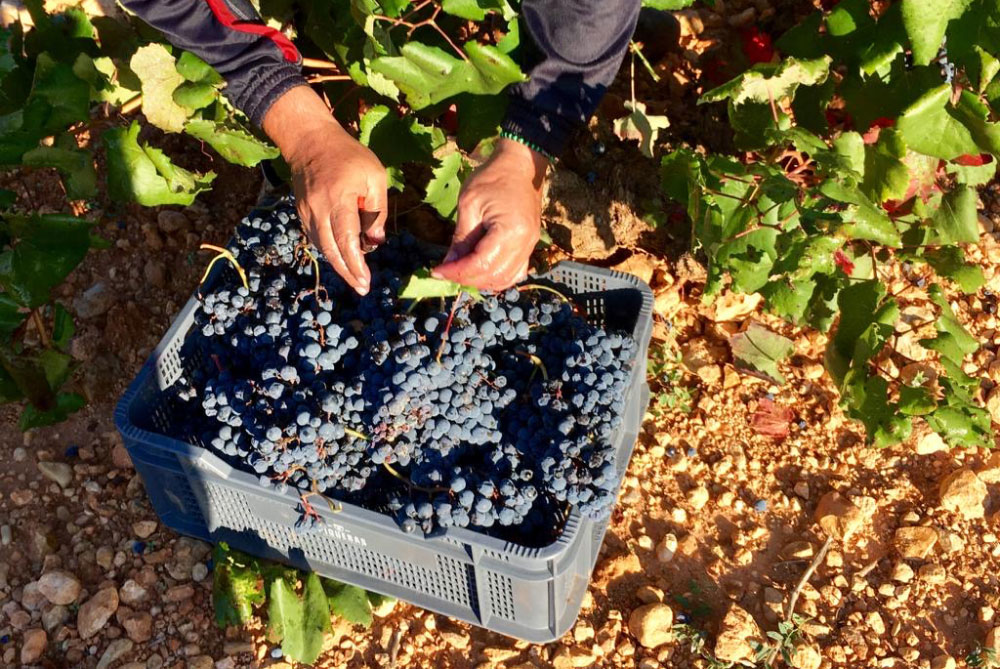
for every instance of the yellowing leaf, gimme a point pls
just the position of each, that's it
(156, 70)
(641, 126)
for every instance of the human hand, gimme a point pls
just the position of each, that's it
(333, 176)
(499, 216)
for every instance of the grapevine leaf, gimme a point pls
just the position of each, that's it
(316, 618)
(9, 392)
(803, 40)
(422, 286)
(851, 31)
(890, 36)
(849, 147)
(396, 140)
(863, 220)
(926, 21)
(765, 82)
(58, 98)
(62, 327)
(7, 198)
(24, 373)
(195, 70)
(810, 103)
(640, 126)
(156, 69)
(789, 299)
(349, 602)
(475, 10)
(961, 423)
(235, 145)
(286, 619)
(118, 39)
(758, 351)
(867, 399)
(104, 80)
(956, 220)
(953, 341)
(748, 259)
(48, 248)
(194, 96)
(427, 74)
(949, 262)
(237, 586)
(75, 165)
(479, 117)
(974, 175)
(11, 315)
(509, 43)
(973, 114)
(928, 127)
(145, 175)
(55, 366)
(858, 305)
(65, 404)
(886, 176)
(393, 8)
(377, 599)
(445, 184)
(916, 401)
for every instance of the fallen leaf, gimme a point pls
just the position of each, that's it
(771, 420)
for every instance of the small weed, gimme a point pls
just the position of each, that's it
(785, 641)
(666, 377)
(983, 658)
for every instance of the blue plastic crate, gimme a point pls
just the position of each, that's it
(529, 593)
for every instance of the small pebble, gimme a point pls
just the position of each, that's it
(20, 455)
(760, 506)
(276, 653)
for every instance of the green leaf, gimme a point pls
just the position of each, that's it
(108, 82)
(156, 70)
(47, 249)
(859, 303)
(863, 220)
(316, 618)
(62, 327)
(953, 341)
(886, 177)
(445, 184)
(965, 426)
(929, 126)
(286, 619)
(956, 220)
(66, 404)
(195, 95)
(890, 36)
(55, 365)
(849, 147)
(926, 21)
(949, 262)
(428, 74)
(145, 175)
(973, 175)
(75, 165)
(479, 118)
(58, 98)
(639, 125)
(8, 199)
(422, 286)
(195, 70)
(916, 401)
(765, 81)
(397, 140)
(758, 351)
(11, 316)
(233, 144)
(349, 602)
(475, 10)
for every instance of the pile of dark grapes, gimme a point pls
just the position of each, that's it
(495, 413)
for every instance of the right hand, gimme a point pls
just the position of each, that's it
(332, 175)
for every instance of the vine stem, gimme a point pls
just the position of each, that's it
(43, 334)
(806, 576)
(642, 59)
(131, 105)
(538, 286)
(431, 22)
(320, 78)
(319, 64)
(392, 470)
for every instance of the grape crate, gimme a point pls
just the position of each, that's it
(487, 411)
(457, 450)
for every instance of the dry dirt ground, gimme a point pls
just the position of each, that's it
(714, 517)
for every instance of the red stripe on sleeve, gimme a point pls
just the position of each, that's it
(228, 19)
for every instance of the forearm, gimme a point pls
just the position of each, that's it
(572, 51)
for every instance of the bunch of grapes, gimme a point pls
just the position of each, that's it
(495, 413)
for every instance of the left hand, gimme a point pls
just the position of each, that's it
(499, 216)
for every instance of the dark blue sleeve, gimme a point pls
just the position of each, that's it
(571, 50)
(258, 63)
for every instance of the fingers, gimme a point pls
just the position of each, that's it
(322, 236)
(489, 265)
(347, 235)
(469, 229)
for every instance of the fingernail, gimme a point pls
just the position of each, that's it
(450, 256)
(436, 274)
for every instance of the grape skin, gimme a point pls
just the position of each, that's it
(368, 401)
